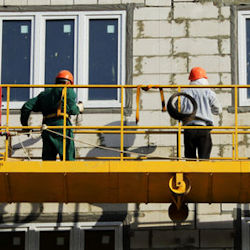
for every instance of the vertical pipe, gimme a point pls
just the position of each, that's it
(7, 124)
(0, 106)
(179, 129)
(122, 118)
(236, 121)
(233, 143)
(64, 121)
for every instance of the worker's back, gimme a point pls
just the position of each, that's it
(48, 100)
(207, 104)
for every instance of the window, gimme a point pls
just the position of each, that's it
(99, 239)
(66, 236)
(244, 56)
(54, 240)
(16, 43)
(12, 240)
(36, 46)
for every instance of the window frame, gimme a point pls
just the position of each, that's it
(242, 16)
(121, 57)
(81, 31)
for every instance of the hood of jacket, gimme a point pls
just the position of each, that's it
(201, 81)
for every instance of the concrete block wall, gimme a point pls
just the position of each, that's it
(169, 38)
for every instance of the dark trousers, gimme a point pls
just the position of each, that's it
(197, 139)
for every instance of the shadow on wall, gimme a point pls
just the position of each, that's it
(23, 144)
(34, 211)
(113, 141)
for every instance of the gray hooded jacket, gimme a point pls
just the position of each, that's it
(207, 104)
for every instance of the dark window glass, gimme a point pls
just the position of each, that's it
(16, 42)
(99, 239)
(103, 53)
(12, 240)
(54, 240)
(59, 48)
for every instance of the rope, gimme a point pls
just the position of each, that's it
(24, 149)
(44, 127)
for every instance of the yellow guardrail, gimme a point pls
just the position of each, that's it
(234, 130)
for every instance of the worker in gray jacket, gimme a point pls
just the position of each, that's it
(207, 106)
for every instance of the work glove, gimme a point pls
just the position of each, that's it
(80, 106)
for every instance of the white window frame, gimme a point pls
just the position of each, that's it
(121, 56)
(81, 40)
(76, 232)
(242, 62)
(245, 228)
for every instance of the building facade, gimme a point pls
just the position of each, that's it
(125, 42)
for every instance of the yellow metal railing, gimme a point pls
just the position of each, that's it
(235, 130)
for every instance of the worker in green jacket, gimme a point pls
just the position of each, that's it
(50, 102)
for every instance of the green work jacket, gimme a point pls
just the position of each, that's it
(47, 102)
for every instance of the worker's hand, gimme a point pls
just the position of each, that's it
(80, 106)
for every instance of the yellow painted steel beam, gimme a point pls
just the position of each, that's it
(122, 181)
(125, 166)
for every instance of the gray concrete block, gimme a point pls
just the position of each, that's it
(40, 2)
(228, 207)
(205, 208)
(62, 2)
(212, 63)
(152, 47)
(195, 10)
(139, 239)
(152, 13)
(225, 11)
(196, 46)
(132, 1)
(154, 79)
(159, 64)
(108, 1)
(209, 28)
(225, 46)
(161, 28)
(16, 2)
(158, 2)
(153, 206)
(87, 1)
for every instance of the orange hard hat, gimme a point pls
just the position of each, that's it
(64, 76)
(197, 73)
